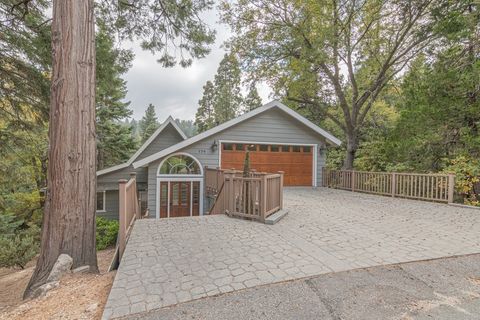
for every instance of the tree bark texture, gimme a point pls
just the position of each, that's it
(69, 216)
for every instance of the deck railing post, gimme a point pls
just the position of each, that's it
(133, 175)
(122, 216)
(394, 184)
(230, 191)
(352, 178)
(451, 187)
(263, 198)
(281, 189)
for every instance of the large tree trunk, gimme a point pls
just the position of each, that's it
(352, 147)
(69, 217)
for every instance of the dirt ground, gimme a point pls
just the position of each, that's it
(79, 296)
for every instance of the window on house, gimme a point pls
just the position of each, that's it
(227, 146)
(296, 149)
(285, 148)
(264, 147)
(101, 201)
(274, 148)
(307, 149)
(180, 164)
(239, 147)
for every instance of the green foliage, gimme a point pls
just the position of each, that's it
(205, 117)
(149, 123)
(188, 127)
(172, 28)
(107, 231)
(333, 57)
(19, 242)
(467, 178)
(222, 100)
(115, 142)
(252, 100)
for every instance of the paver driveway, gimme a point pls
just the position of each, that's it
(175, 260)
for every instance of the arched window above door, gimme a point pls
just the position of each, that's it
(180, 164)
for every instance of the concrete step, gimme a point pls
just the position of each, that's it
(277, 216)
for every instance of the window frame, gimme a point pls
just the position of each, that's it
(104, 192)
(172, 175)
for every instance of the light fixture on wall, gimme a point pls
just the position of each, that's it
(214, 145)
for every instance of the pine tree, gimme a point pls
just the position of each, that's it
(115, 143)
(188, 127)
(222, 100)
(149, 123)
(228, 97)
(252, 100)
(205, 118)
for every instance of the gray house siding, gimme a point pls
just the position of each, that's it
(111, 205)
(168, 137)
(272, 126)
(109, 181)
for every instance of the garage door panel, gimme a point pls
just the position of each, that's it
(296, 165)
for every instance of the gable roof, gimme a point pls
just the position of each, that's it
(273, 104)
(145, 145)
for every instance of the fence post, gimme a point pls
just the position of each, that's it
(451, 187)
(281, 189)
(229, 196)
(122, 216)
(353, 180)
(133, 175)
(394, 184)
(263, 199)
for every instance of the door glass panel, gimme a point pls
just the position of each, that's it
(285, 148)
(296, 149)
(184, 193)
(174, 187)
(264, 147)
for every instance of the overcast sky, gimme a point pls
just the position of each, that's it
(175, 91)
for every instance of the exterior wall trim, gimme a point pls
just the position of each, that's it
(104, 192)
(144, 146)
(180, 175)
(173, 179)
(314, 150)
(273, 104)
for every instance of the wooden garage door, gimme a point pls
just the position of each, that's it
(295, 161)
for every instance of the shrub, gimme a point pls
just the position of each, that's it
(467, 171)
(107, 231)
(19, 243)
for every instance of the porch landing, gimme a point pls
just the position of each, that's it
(170, 261)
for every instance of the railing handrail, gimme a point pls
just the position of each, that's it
(129, 210)
(424, 186)
(255, 196)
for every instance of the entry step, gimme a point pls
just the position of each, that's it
(277, 216)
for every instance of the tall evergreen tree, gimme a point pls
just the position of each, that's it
(205, 118)
(115, 143)
(227, 82)
(149, 123)
(188, 127)
(252, 100)
(222, 100)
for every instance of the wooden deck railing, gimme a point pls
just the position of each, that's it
(255, 197)
(422, 186)
(129, 211)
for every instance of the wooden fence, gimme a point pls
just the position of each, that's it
(431, 187)
(129, 211)
(256, 196)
